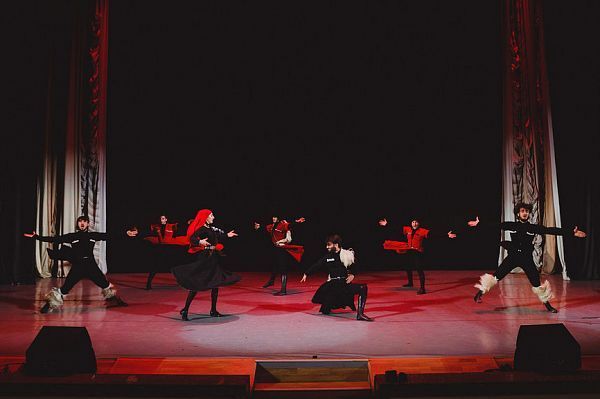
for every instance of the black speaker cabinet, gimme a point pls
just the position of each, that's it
(59, 351)
(546, 348)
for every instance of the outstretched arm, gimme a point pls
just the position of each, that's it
(54, 239)
(556, 231)
(312, 268)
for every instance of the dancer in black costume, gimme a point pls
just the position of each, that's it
(83, 264)
(205, 273)
(338, 291)
(520, 254)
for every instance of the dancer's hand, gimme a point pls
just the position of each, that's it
(473, 223)
(303, 280)
(300, 220)
(232, 233)
(132, 232)
(204, 242)
(383, 222)
(281, 243)
(451, 234)
(256, 226)
(349, 278)
(579, 233)
(28, 235)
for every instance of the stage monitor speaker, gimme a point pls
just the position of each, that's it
(546, 348)
(59, 351)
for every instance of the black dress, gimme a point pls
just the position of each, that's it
(335, 293)
(205, 272)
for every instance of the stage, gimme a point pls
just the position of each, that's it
(444, 322)
(269, 346)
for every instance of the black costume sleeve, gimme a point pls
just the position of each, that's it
(437, 233)
(555, 231)
(198, 235)
(315, 266)
(55, 239)
(220, 233)
(95, 235)
(354, 268)
(534, 228)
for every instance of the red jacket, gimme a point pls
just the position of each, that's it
(281, 229)
(415, 237)
(166, 237)
(280, 232)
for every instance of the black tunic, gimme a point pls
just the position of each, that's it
(520, 249)
(81, 255)
(81, 244)
(523, 233)
(335, 293)
(205, 272)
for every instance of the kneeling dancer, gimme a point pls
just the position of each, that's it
(338, 291)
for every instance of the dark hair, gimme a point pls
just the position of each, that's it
(87, 219)
(520, 205)
(334, 239)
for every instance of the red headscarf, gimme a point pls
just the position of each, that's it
(198, 222)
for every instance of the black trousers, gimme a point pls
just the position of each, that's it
(415, 262)
(523, 260)
(84, 268)
(281, 261)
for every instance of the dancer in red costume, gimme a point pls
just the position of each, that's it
(413, 248)
(163, 236)
(205, 273)
(280, 233)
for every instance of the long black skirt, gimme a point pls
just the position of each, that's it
(336, 294)
(204, 273)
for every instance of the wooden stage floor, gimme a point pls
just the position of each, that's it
(443, 323)
(275, 347)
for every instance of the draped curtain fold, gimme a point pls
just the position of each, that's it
(529, 166)
(73, 179)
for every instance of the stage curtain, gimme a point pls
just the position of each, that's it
(73, 177)
(529, 166)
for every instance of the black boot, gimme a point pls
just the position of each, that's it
(283, 290)
(214, 294)
(477, 297)
(188, 302)
(325, 309)
(550, 308)
(362, 301)
(422, 282)
(270, 282)
(149, 281)
(184, 314)
(410, 279)
(116, 301)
